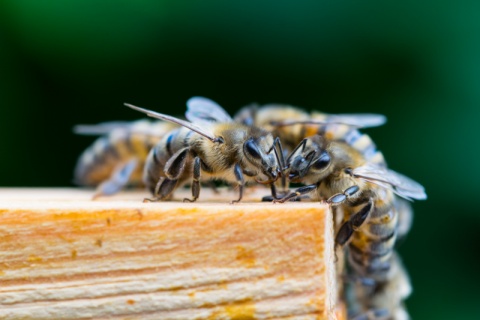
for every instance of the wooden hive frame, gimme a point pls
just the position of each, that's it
(63, 256)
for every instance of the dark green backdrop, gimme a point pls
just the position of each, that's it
(418, 62)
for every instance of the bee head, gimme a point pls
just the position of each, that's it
(260, 152)
(309, 158)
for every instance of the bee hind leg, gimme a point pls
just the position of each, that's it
(196, 180)
(163, 190)
(117, 180)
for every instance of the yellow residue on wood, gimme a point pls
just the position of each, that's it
(246, 256)
(244, 311)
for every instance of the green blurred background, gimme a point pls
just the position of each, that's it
(69, 62)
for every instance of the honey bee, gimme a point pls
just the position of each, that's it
(211, 145)
(369, 197)
(292, 125)
(116, 159)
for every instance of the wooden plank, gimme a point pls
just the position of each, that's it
(63, 256)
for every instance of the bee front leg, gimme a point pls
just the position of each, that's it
(196, 180)
(339, 198)
(300, 191)
(240, 182)
(346, 230)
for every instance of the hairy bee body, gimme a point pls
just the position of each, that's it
(118, 155)
(215, 160)
(212, 146)
(291, 125)
(365, 198)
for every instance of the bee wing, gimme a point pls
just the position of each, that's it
(201, 110)
(398, 183)
(359, 120)
(100, 128)
(204, 131)
(247, 115)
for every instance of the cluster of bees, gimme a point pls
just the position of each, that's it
(274, 145)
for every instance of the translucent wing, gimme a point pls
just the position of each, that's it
(100, 128)
(360, 120)
(201, 131)
(398, 183)
(200, 110)
(247, 115)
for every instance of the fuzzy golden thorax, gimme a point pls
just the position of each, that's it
(248, 146)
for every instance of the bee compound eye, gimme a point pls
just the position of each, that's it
(251, 148)
(322, 161)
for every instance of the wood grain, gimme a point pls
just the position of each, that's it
(63, 256)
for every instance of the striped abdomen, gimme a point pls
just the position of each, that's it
(163, 151)
(371, 255)
(99, 161)
(371, 247)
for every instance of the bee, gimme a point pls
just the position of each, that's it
(116, 159)
(292, 125)
(210, 146)
(369, 197)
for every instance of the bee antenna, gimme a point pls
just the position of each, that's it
(189, 125)
(301, 146)
(281, 160)
(310, 155)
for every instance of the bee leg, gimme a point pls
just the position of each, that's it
(346, 230)
(175, 166)
(240, 182)
(300, 191)
(339, 198)
(275, 195)
(373, 314)
(356, 279)
(118, 180)
(196, 180)
(379, 266)
(281, 163)
(163, 190)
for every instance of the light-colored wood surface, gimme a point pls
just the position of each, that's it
(63, 256)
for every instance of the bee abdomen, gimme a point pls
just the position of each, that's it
(372, 245)
(354, 138)
(160, 154)
(98, 162)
